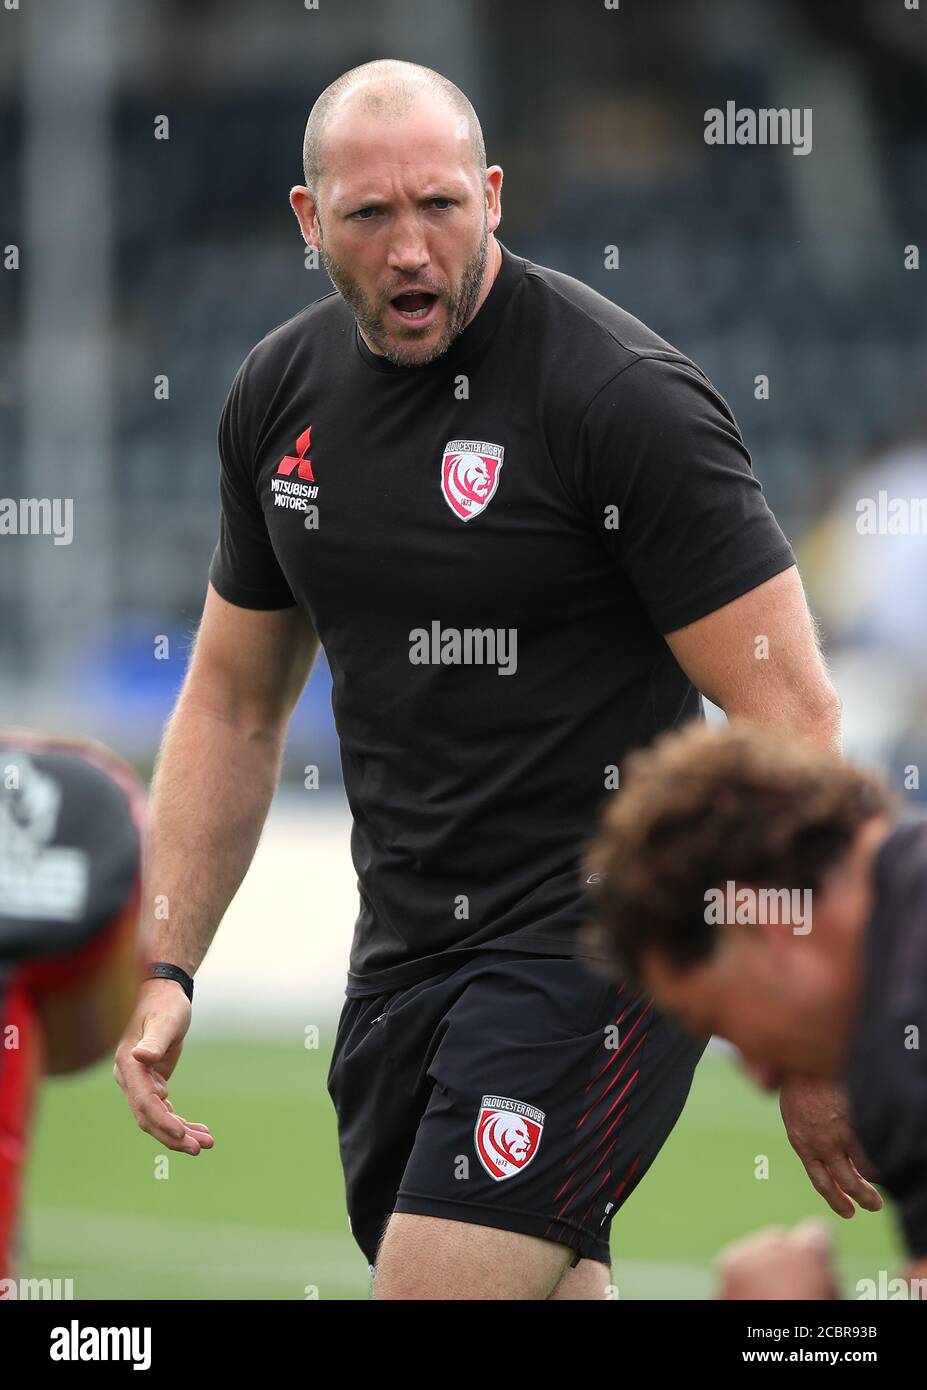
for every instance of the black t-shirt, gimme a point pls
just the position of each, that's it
(561, 474)
(887, 1065)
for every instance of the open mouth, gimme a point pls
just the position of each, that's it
(414, 308)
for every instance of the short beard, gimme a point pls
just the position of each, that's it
(370, 321)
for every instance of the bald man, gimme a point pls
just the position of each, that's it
(526, 532)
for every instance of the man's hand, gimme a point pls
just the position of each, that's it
(146, 1057)
(778, 1264)
(817, 1121)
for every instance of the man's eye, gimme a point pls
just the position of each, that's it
(360, 214)
(445, 201)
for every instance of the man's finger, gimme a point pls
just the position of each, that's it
(853, 1184)
(157, 1125)
(191, 1124)
(823, 1182)
(200, 1134)
(158, 1118)
(150, 1111)
(151, 1123)
(148, 1049)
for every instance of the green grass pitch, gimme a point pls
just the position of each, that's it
(262, 1216)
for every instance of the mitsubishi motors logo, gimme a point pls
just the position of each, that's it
(302, 464)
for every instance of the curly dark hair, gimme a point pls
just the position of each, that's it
(705, 805)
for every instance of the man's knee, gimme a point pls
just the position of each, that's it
(427, 1257)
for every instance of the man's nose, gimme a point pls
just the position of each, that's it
(408, 250)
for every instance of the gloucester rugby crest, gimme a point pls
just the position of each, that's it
(470, 472)
(507, 1135)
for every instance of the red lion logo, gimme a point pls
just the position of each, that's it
(470, 476)
(507, 1135)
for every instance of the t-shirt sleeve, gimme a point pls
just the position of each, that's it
(664, 475)
(244, 568)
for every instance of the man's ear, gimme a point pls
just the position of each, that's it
(493, 194)
(307, 215)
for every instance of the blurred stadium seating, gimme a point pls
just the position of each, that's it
(782, 265)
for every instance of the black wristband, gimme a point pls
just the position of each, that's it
(164, 970)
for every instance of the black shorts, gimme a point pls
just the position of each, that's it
(517, 1091)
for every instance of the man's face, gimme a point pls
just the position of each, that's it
(401, 210)
(775, 997)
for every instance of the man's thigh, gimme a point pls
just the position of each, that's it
(426, 1258)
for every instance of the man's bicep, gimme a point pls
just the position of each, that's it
(757, 655)
(250, 665)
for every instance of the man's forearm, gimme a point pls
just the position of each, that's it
(212, 789)
(817, 720)
(759, 658)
